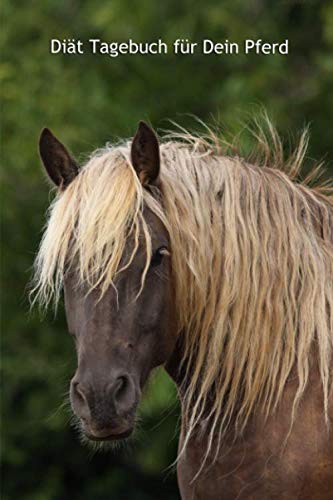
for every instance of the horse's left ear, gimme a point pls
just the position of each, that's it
(59, 164)
(145, 154)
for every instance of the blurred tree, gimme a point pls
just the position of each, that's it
(88, 100)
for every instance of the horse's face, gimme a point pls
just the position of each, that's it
(122, 335)
(119, 339)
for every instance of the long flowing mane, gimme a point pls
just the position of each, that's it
(252, 260)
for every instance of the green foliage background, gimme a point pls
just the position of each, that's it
(88, 100)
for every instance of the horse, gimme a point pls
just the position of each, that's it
(178, 252)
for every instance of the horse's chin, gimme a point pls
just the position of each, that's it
(114, 436)
(119, 431)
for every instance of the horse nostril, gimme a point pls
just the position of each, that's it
(79, 393)
(120, 389)
(123, 394)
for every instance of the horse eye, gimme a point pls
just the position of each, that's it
(158, 256)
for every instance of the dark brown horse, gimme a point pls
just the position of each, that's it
(222, 271)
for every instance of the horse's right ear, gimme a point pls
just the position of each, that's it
(145, 154)
(59, 164)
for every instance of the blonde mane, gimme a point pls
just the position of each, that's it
(252, 260)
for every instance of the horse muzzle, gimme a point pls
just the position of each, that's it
(106, 410)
